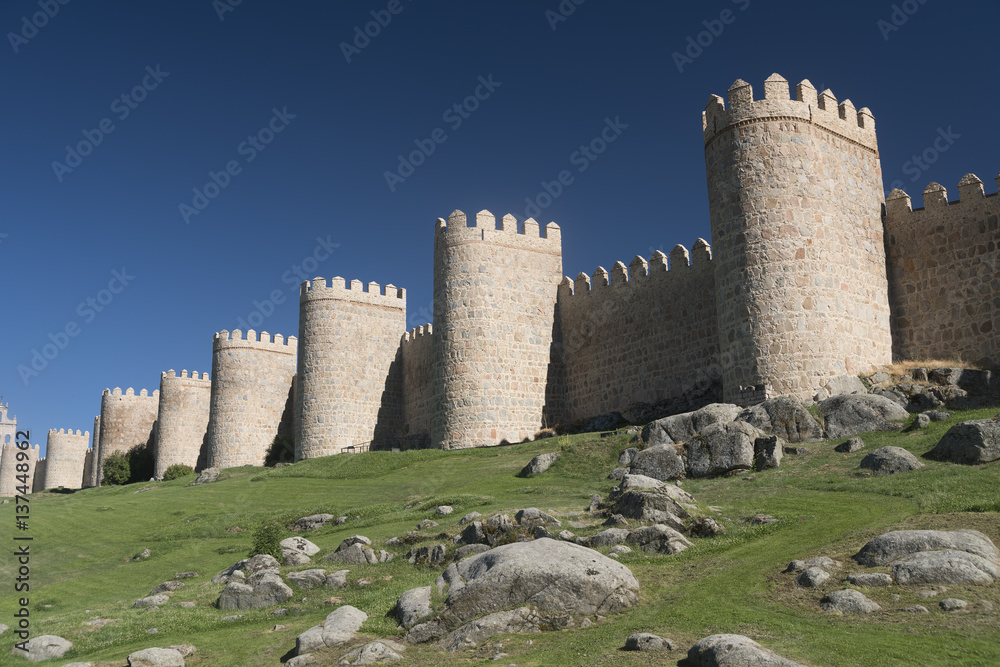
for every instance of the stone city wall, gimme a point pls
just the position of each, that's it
(182, 421)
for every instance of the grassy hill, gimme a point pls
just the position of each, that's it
(82, 565)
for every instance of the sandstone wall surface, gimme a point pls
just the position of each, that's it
(182, 421)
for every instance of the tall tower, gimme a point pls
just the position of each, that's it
(795, 195)
(127, 420)
(251, 399)
(494, 305)
(349, 378)
(182, 419)
(8, 427)
(65, 456)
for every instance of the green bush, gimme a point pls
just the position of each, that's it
(177, 471)
(267, 540)
(116, 469)
(142, 464)
(282, 450)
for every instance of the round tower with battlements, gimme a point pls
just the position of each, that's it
(494, 304)
(251, 400)
(127, 420)
(182, 420)
(795, 196)
(65, 456)
(349, 377)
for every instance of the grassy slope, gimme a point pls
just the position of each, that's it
(83, 542)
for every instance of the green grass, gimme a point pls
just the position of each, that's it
(83, 568)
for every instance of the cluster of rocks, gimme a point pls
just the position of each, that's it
(252, 584)
(356, 550)
(49, 647)
(913, 557)
(923, 389)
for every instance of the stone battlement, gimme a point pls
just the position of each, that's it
(417, 334)
(228, 340)
(69, 432)
(639, 271)
(970, 192)
(372, 293)
(484, 228)
(172, 374)
(117, 391)
(820, 109)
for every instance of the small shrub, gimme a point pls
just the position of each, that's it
(116, 469)
(142, 464)
(177, 471)
(267, 540)
(282, 450)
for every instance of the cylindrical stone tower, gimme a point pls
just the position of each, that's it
(65, 456)
(494, 306)
(349, 379)
(127, 421)
(795, 195)
(182, 419)
(251, 399)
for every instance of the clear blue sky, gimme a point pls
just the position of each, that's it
(206, 84)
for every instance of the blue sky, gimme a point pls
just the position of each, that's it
(290, 116)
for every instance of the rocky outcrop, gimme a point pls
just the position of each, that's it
(539, 464)
(890, 461)
(970, 442)
(44, 647)
(414, 605)
(523, 620)
(734, 651)
(892, 545)
(848, 601)
(785, 417)
(311, 522)
(660, 461)
(339, 627)
(719, 449)
(263, 589)
(647, 499)
(945, 567)
(847, 415)
(156, 657)
(683, 427)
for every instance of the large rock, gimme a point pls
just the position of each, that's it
(648, 499)
(607, 538)
(516, 621)
(659, 462)
(785, 417)
(374, 653)
(339, 627)
(683, 427)
(848, 601)
(645, 641)
(311, 522)
(151, 601)
(944, 567)
(768, 452)
(659, 539)
(358, 554)
(844, 384)
(414, 605)
(299, 544)
(970, 442)
(539, 464)
(532, 517)
(44, 647)
(812, 577)
(722, 448)
(847, 415)
(264, 589)
(207, 476)
(889, 546)
(156, 657)
(307, 579)
(547, 574)
(890, 461)
(259, 563)
(734, 651)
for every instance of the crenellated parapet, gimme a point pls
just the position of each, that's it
(182, 419)
(226, 340)
(335, 288)
(942, 263)
(819, 109)
(65, 455)
(505, 234)
(659, 270)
